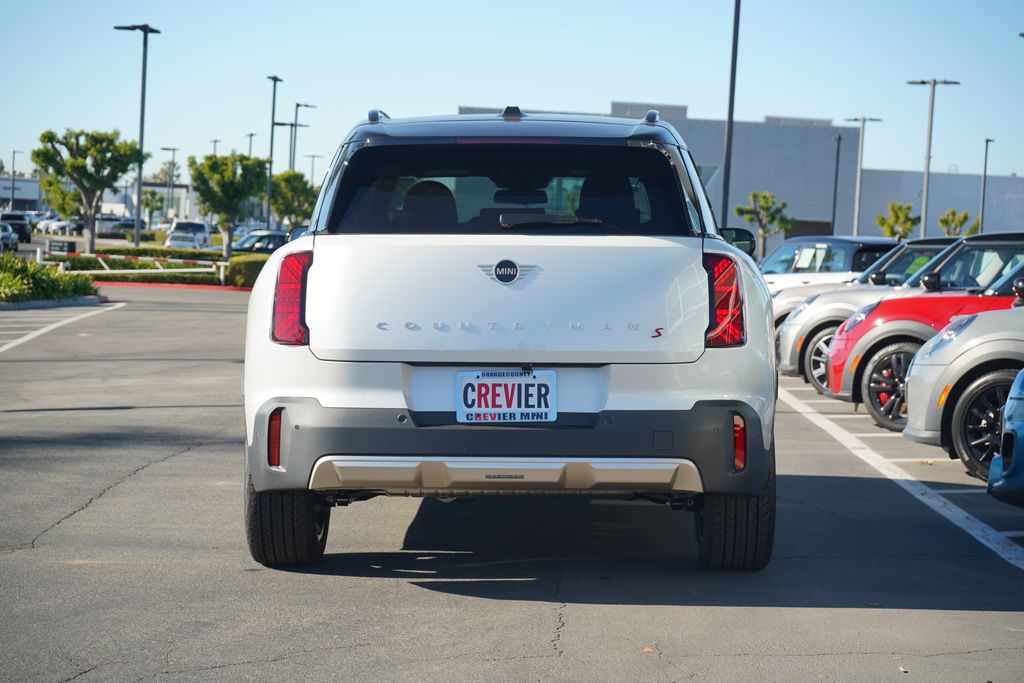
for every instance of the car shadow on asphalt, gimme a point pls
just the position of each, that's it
(887, 551)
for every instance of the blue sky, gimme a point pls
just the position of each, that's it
(66, 67)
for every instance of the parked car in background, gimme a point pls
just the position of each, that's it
(8, 237)
(298, 231)
(74, 226)
(125, 226)
(260, 242)
(960, 380)
(198, 229)
(1006, 472)
(892, 270)
(181, 240)
(818, 259)
(19, 223)
(803, 338)
(870, 353)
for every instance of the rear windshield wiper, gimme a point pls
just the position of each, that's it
(514, 220)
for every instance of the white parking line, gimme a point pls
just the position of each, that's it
(923, 461)
(43, 330)
(995, 541)
(874, 434)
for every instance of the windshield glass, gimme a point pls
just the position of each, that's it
(1004, 285)
(247, 241)
(908, 263)
(780, 260)
(468, 188)
(978, 265)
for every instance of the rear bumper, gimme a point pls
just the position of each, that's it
(404, 452)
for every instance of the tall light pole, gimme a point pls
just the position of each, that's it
(270, 156)
(984, 181)
(13, 152)
(928, 147)
(215, 141)
(295, 134)
(835, 180)
(170, 180)
(250, 136)
(727, 167)
(860, 170)
(146, 29)
(312, 161)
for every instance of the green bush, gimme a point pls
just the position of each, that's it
(23, 280)
(243, 270)
(161, 252)
(162, 276)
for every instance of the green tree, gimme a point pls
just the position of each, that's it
(62, 200)
(151, 201)
(224, 183)
(952, 223)
(766, 216)
(293, 197)
(898, 223)
(92, 160)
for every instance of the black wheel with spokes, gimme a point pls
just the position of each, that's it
(883, 385)
(816, 359)
(977, 418)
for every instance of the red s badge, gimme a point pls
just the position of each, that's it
(657, 332)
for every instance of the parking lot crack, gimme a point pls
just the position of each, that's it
(556, 640)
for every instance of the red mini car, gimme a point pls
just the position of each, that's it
(871, 352)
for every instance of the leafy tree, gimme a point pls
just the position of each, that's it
(767, 216)
(92, 160)
(224, 183)
(151, 201)
(952, 223)
(898, 223)
(62, 200)
(293, 197)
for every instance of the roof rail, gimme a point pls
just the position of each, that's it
(652, 117)
(512, 112)
(377, 115)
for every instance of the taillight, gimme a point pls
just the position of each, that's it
(274, 438)
(739, 443)
(290, 298)
(726, 328)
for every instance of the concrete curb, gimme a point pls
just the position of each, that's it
(170, 285)
(54, 303)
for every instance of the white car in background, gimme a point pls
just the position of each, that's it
(821, 259)
(181, 240)
(198, 229)
(510, 317)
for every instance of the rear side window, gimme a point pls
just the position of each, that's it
(491, 188)
(863, 259)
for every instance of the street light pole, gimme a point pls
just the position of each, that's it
(13, 152)
(270, 158)
(835, 180)
(294, 138)
(928, 147)
(146, 29)
(215, 141)
(312, 161)
(250, 136)
(860, 171)
(984, 182)
(170, 180)
(728, 122)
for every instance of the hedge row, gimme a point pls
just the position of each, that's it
(26, 280)
(162, 252)
(162, 276)
(243, 270)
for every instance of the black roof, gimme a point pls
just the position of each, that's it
(1015, 236)
(379, 128)
(850, 239)
(925, 241)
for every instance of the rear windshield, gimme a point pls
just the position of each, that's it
(491, 188)
(189, 227)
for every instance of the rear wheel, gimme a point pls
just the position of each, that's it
(286, 528)
(816, 359)
(977, 420)
(736, 532)
(883, 386)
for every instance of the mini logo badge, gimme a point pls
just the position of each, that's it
(507, 271)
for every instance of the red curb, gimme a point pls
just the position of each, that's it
(171, 285)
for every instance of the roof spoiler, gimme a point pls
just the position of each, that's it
(377, 115)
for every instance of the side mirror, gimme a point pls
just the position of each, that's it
(741, 238)
(878, 278)
(1018, 291)
(297, 232)
(931, 282)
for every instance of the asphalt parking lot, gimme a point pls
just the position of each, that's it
(122, 554)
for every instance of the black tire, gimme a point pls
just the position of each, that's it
(737, 532)
(977, 417)
(285, 528)
(883, 385)
(816, 358)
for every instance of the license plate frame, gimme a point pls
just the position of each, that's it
(533, 394)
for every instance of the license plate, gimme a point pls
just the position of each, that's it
(503, 396)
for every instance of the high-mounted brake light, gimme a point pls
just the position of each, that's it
(726, 328)
(274, 438)
(290, 300)
(739, 443)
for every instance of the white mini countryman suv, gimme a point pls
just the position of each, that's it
(511, 304)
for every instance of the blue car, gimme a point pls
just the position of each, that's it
(1006, 473)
